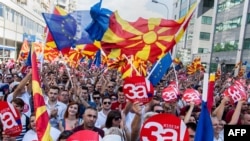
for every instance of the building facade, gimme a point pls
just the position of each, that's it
(197, 41)
(232, 33)
(19, 20)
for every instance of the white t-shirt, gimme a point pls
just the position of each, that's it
(32, 136)
(101, 119)
(26, 99)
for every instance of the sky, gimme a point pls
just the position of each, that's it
(131, 10)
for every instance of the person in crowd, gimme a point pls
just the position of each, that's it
(157, 108)
(217, 129)
(64, 135)
(64, 96)
(31, 135)
(20, 92)
(89, 118)
(18, 103)
(114, 119)
(121, 102)
(84, 99)
(97, 100)
(55, 108)
(102, 115)
(71, 117)
(191, 126)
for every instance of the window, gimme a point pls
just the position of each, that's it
(206, 20)
(228, 4)
(246, 44)
(208, 3)
(205, 36)
(248, 18)
(227, 25)
(1, 9)
(203, 50)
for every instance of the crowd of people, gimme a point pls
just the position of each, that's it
(93, 99)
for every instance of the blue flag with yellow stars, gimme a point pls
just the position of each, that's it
(69, 30)
(160, 69)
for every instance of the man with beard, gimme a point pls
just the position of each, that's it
(89, 118)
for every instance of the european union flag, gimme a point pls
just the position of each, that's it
(160, 69)
(204, 131)
(68, 30)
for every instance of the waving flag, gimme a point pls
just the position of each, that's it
(49, 39)
(147, 39)
(24, 51)
(160, 70)
(68, 30)
(42, 117)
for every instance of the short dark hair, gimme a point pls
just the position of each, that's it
(18, 101)
(105, 97)
(65, 135)
(191, 125)
(85, 88)
(152, 108)
(54, 87)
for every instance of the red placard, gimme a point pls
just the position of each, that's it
(169, 94)
(235, 93)
(192, 95)
(138, 88)
(84, 135)
(10, 119)
(161, 127)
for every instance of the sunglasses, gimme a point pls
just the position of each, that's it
(191, 136)
(96, 97)
(159, 111)
(110, 86)
(117, 118)
(106, 103)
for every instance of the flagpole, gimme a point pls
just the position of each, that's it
(176, 79)
(205, 87)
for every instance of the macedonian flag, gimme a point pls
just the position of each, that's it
(147, 39)
(42, 117)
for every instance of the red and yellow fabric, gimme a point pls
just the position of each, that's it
(24, 52)
(176, 61)
(50, 53)
(195, 66)
(118, 63)
(37, 47)
(147, 39)
(218, 72)
(74, 56)
(42, 117)
(90, 50)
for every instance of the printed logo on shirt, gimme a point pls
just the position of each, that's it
(25, 108)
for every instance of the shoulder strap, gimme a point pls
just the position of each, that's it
(63, 123)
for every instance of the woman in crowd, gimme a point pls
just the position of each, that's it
(114, 119)
(71, 119)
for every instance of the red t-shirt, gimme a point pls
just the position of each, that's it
(115, 106)
(229, 117)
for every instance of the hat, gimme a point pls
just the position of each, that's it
(112, 138)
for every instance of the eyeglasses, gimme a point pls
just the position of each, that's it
(96, 97)
(159, 111)
(8, 77)
(106, 103)
(117, 118)
(110, 86)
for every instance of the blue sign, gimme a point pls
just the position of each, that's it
(29, 38)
